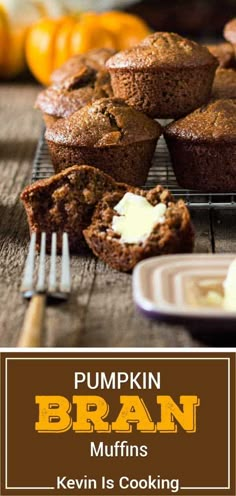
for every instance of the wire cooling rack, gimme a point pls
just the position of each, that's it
(161, 172)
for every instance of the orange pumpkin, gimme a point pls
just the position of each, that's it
(15, 17)
(12, 39)
(89, 33)
(2, 33)
(40, 47)
(14, 58)
(127, 28)
(50, 42)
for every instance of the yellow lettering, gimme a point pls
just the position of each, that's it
(90, 413)
(171, 411)
(133, 411)
(53, 414)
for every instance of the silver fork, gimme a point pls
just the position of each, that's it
(44, 287)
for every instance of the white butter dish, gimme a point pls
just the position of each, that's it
(164, 289)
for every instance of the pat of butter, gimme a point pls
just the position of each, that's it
(229, 284)
(137, 218)
(214, 299)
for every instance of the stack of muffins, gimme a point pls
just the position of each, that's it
(101, 111)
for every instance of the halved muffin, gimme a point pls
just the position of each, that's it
(109, 135)
(65, 202)
(128, 227)
(165, 76)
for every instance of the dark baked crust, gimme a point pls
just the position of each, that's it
(175, 235)
(224, 85)
(224, 53)
(96, 59)
(203, 148)
(74, 92)
(166, 76)
(65, 202)
(165, 50)
(109, 135)
(108, 121)
(214, 122)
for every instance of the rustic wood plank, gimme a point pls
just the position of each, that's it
(101, 310)
(224, 228)
(204, 241)
(65, 323)
(18, 139)
(112, 320)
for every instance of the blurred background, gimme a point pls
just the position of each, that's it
(38, 36)
(194, 18)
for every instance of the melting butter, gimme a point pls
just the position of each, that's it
(205, 293)
(137, 218)
(215, 293)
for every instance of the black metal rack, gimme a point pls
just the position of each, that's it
(161, 172)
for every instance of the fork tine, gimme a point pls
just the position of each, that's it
(52, 280)
(28, 277)
(65, 283)
(41, 286)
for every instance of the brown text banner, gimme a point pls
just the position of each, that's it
(119, 423)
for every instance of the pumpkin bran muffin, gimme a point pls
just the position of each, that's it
(74, 92)
(96, 59)
(65, 202)
(202, 146)
(224, 85)
(165, 76)
(174, 235)
(109, 135)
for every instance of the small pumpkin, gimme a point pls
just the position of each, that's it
(11, 47)
(90, 33)
(15, 17)
(127, 28)
(40, 47)
(2, 33)
(50, 42)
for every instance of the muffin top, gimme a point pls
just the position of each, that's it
(95, 58)
(212, 122)
(106, 122)
(230, 31)
(73, 92)
(224, 53)
(163, 50)
(224, 85)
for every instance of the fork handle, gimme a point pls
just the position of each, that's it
(30, 336)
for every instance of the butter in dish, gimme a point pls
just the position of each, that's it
(196, 290)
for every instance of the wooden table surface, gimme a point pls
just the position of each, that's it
(101, 310)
